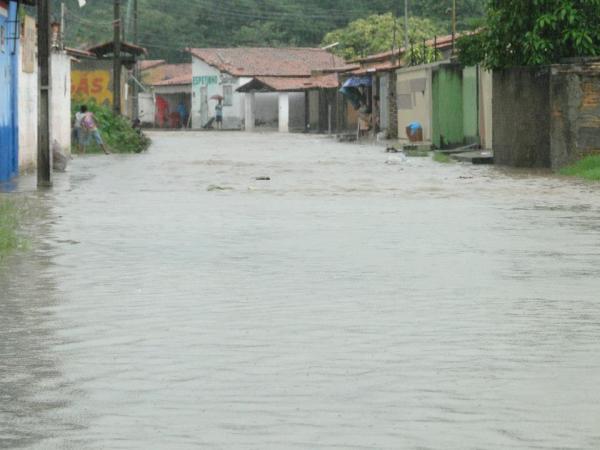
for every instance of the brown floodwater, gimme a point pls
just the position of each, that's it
(356, 300)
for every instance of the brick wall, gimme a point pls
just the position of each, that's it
(575, 109)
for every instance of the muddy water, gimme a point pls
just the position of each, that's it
(355, 301)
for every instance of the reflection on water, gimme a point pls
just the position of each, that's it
(349, 302)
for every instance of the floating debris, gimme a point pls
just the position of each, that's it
(214, 187)
(263, 178)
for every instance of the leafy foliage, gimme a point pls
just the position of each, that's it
(116, 131)
(588, 168)
(9, 240)
(378, 33)
(166, 28)
(535, 32)
(423, 54)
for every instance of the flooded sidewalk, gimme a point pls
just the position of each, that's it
(269, 291)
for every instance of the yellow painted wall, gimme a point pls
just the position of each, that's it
(94, 84)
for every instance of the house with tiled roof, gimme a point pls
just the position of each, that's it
(168, 97)
(275, 79)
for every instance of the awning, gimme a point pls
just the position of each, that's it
(358, 81)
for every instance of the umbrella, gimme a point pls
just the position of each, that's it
(217, 97)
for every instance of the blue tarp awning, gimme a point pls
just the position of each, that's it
(358, 81)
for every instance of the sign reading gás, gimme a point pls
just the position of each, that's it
(92, 85)
(205, 80)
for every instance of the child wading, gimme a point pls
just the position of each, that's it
(88, 124)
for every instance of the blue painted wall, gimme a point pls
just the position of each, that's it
(9, 51)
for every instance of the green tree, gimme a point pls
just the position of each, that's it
(378, 33)
(535, 32)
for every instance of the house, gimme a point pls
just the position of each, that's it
(92, 74)
(167, 88)
(277, 73)
(452, 103)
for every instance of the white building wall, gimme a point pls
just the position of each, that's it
(147, 108)
(60, 101)
(28, 114)
(207, 82)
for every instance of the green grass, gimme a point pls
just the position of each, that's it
(441, 158)
(588, 168)
(116, 131)
(9, 224)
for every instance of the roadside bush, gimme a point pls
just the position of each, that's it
(587, 168)
(9, 222)
(116, 131)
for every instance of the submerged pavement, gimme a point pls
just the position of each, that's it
(356, 300)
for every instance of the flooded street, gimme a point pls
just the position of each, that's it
(354, 301)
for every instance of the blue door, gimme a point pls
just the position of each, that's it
(9, 136)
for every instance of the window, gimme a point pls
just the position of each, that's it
(228, 95)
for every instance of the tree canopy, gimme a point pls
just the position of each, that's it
(168, 27)
(535, 32)
(378, 33)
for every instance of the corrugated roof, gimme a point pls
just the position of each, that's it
(279, 62)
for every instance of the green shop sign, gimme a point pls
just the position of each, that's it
(205, 80)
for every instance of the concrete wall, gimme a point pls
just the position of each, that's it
(60, 101)
(266, 110)
(147, 108)
(486, 93)
(28, 106)
(470, 106)
(297, 111)
(575, 113)
(521, 111)
(384, 98)
(414, 99)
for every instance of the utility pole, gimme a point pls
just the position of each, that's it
(117, 58)
(136, 70)
(405, 26)
(44, 170)
(453, 27)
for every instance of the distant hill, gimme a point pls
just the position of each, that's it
(166, 27)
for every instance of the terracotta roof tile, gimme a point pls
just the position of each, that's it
(252, 62)
(176, 81)
(159, 75)
(150, 63)
(291, 84)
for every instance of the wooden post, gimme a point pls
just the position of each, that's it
(44, 170)
(117, 58)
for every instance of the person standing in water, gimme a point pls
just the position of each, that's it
(219, 114)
